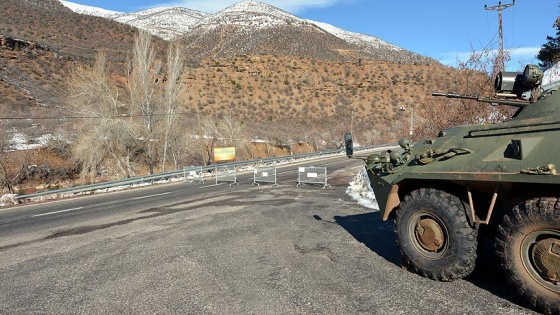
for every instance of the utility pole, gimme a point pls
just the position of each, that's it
(201, 135)
(411, 131)
(499, 63)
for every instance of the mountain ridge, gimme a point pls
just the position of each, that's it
(178, 23)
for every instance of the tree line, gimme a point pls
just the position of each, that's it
(549, 54)
(140, 128)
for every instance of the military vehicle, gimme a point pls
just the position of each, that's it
(498, 178)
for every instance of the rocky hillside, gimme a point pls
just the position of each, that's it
(50, 24)
(250, 60)
(40, 41)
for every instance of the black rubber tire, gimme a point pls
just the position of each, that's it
(456, 257)
(530, 222)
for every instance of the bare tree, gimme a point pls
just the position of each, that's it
(475, 77)
(146, 129)
(226, 131)
(229, 130)
(144, 71)
(173, 89)
(90, 91)
(479, 71)
(104, 138)
(210, 136)
(5, 181)
(232, 133)
(189, 145)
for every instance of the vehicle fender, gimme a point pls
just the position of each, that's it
(386, 194)
(393, 200)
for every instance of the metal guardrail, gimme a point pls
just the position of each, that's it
(179, 173)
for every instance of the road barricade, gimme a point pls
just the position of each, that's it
(193, 174)
(312, 175)
(264, 175)
(226, 174)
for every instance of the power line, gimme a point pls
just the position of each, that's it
(88, 117)
(154, 115)
(499, 63)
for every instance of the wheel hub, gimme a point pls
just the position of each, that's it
(546, 257)
(429, 234)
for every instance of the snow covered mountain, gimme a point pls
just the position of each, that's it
(252, 14)
(89, 10)
(367, 41)
(166, 22)
(250, 24)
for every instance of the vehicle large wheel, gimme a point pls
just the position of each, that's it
(528, 244)
(436, 239)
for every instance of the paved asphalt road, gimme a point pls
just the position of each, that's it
(190, 249)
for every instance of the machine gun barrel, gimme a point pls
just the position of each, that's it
(493, 101)
(456, 95)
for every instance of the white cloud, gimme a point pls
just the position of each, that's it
(292, 6)
(525, 52)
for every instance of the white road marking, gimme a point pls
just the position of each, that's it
(150, 196)
(213, 185)
(55, 212)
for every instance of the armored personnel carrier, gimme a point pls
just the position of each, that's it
(500, 178)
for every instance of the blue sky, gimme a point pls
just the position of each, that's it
(442, 29)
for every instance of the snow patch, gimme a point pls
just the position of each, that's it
(8, 200)
(360, 190)
(20, 141)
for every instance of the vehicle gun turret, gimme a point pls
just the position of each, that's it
(517, 89)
